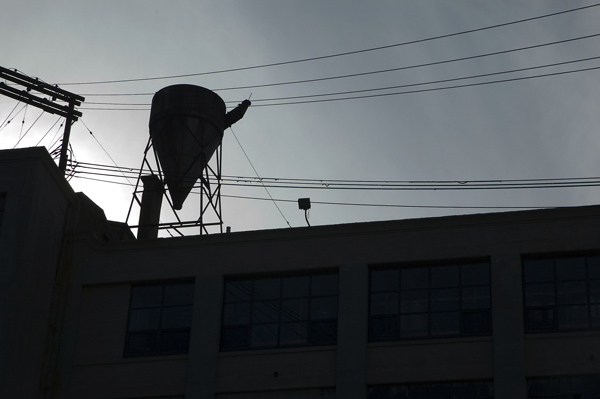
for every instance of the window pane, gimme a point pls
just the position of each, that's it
(414, 325)
(573, 317)
(267, 288)
(384, 280)
(324, 284)
(294, 309)
(234, 338)
(541, 319)
(177, 317)
(384, 303)
(296, 287)
(444, 276)
(323, 332)
(414, 278)
(144, 319)
(538, 270)
(445, 299)
(570, 269)
(475, 274)
(238, 290)
(265, 312)
(539, 294)
(294, 334)
(139, 343)
(477, 321)
(383, 328)
(475, 298)
(593, 266)
(179, 294)
(323, 308)
(175, 341)
(236, 313)
(146, 296)
(160, 318)
(447, 323)
(414, 301)
(594, 291)
(572, 292)
(264, 335)
(595, 316)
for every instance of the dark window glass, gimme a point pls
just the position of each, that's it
(436, 301)
(573, 387)
(2, 205)
(413, 278)
(444, 276)
(450, 390)
(414, 325)
(561, 293)
(538, 270)
(280, 311)
(385, 280)
(384, 303)
(160, 318)
(296, 287)
(268, 288)
(475, 274)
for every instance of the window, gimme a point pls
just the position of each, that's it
(562, 293)
(160, 318)
(462, 390)
(274, 312)
(575, 387)
(2, 203)
(428, 302)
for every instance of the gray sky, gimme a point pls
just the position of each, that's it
(541, 128)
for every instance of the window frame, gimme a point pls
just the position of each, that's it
(551, 321)
(394, 319)
(320, 330)
(160, 332)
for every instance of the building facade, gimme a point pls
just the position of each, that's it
(503, 305)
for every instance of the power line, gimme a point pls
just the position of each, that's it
(30, 127)
(339, 54)
(386, 94)
(461, 182)
(391, 87)
(253, 168)
(383, 70)
(403, 186)
(355, 204)
(106, 152)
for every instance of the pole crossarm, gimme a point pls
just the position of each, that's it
(34, 84)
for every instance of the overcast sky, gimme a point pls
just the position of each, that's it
(543, 128)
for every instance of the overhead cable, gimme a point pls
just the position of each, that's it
(389, 87)
(338, 54)
(385, 94)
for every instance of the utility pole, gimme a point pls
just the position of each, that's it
(51, 105)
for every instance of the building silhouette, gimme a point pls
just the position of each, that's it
(500, 305)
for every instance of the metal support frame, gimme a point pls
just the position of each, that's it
(210, 194)
(48, 105)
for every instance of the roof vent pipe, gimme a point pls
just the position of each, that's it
(150, 208)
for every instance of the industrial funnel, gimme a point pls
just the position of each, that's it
(186, 126)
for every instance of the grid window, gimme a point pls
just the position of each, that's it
(2, 203)
(574, 387)
(280, 312)
(462, 390)
(160, 318)
(427, 302)
(562, 293)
